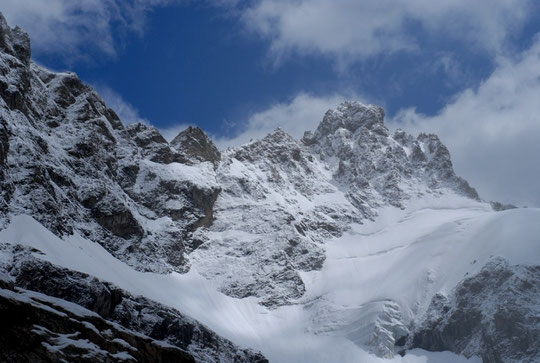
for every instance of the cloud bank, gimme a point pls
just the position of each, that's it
(352, 29)
(346, 30)
(67, 28)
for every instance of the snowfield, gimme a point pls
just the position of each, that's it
(376, 278)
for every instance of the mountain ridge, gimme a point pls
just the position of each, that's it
(257, 227)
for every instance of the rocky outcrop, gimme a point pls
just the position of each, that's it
(196, 145)
(14, 42)
(153, 145)
(4, 143)
(438, 166)
(499, 207)
(493, 314)
(38, 328)
(133, 313)
(15, 46)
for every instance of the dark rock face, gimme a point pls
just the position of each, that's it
(196, 145)
(81, 289)
(205, 201)
(154, 145)
(494, 314)
(133, 313)
(38, 328)
(4, 142)
(497, 206)
(117, 218)
(162, 323)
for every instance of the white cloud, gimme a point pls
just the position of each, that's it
(352, 29)
(65, 27)
(493, 131)
(345, 30)
(127, 112)
(302, 113)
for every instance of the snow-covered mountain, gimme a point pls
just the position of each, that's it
(352, 244)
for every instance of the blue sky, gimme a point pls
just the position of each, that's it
(240, 68)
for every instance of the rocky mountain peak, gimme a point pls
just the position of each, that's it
(145, 135)
(276, 147)
(196, 145)
(278, 135)
(277, 139)
(15, 42)
(375, 167)
(153, 144)
(351, 115)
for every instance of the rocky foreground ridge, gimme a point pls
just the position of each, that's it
(251, 219)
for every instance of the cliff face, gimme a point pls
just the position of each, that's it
(68, 161)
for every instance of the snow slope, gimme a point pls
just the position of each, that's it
(401, 260)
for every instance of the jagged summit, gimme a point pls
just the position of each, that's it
(277, 135)
(153, 145)
(196, 145)
(15, 42)
(351, 115)
(277, 146)
(377, 168)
